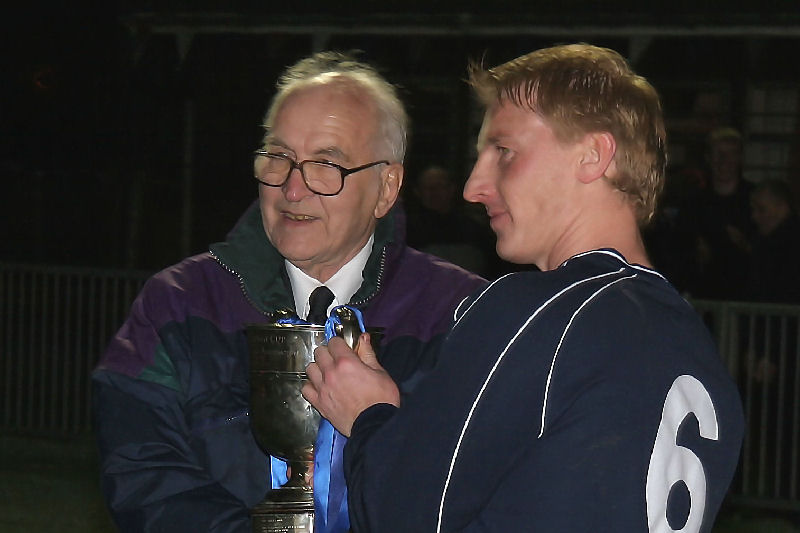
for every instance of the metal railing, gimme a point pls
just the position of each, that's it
(55, 323)
(760, 344)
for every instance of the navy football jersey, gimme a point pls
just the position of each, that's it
(586, 398)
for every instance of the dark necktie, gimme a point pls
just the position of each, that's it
(330, 492)
(318, 304)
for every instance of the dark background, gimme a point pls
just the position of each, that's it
(127, 127)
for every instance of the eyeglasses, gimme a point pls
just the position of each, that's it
(321, 177)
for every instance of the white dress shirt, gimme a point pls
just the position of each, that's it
(343, 284)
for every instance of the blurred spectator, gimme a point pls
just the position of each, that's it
(439, 225)
(776, 247)
(773, 366)
(720, 223)
(668, 237)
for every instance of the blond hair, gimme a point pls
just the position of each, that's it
(579, 89)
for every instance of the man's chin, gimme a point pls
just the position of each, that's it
(296, 251)
(508, 253)
(505, 254)
(297, 257)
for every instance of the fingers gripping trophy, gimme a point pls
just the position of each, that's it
(284, 424)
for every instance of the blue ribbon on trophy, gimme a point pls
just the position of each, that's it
(330, 500)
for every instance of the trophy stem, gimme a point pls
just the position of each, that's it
(284, 424)
(299, 475)
(289, 508)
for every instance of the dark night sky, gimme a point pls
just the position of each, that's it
(58, 80)
(92, 127)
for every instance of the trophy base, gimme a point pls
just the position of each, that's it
(285, 510)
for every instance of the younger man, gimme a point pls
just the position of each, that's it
(586, 397)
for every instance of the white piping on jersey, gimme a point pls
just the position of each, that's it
(494, 368)
(561, 341)
(455, 313)
(618, 256)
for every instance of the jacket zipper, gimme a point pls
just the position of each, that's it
(241, 284)
(377, 283)
(269, 314)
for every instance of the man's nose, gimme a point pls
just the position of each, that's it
(476, 186)
(295, 188)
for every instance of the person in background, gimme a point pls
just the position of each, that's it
(775, 256)
(585, 397)
(776, 247)
(719, 218)
(437, 224)
(171, 391)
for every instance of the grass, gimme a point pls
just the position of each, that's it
(749, 521)
(51, 484)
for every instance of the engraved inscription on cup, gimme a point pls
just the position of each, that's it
(284, 424)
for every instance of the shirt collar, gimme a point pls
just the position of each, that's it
(343, 284)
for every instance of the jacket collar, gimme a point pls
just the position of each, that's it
(248, 254)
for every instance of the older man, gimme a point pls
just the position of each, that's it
(586, 397)
(171, 392)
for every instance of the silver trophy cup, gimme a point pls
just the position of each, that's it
(284, 424)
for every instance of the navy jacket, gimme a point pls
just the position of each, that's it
(171, 392)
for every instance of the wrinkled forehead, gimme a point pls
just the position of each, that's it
(338, 94)
(328, 114)
(326, 90)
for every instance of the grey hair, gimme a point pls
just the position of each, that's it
(336, 67)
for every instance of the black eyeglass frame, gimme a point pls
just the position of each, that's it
(344, 171)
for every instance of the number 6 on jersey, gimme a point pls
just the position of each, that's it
(670, 462)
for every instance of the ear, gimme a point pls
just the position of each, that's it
(391, 181)
(597, 156)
